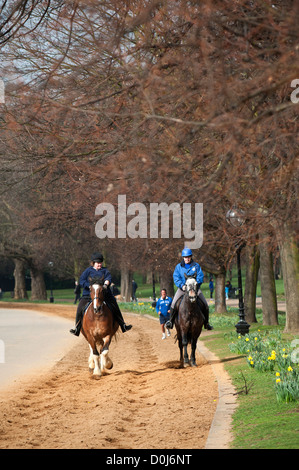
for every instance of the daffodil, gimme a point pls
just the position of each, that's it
(290, 369)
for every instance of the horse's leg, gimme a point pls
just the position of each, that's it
(185, 344)
(106, 362)
(96, 358)
(90, 359)
(181, 350)
(193, 350)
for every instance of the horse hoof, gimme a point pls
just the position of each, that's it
(193, 364)
(109, 365)
(186, 364)
(97, 374)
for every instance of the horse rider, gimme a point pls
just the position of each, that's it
(96, 269)
(189, 267)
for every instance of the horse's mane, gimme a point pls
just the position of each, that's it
(96, 280)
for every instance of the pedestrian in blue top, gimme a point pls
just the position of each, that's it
(211, 287)
(97, 269)
(163, 309)
(188, 267)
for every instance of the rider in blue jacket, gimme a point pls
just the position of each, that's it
(96, 269)
(188, 267)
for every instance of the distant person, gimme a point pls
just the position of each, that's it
(77, 291)
(163, 310)
(211, 287)
(134, 288)
(114, 289)
(228, 288)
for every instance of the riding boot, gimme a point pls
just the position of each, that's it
(170, 322)
(113, 305)
(76, 331)
(205, 311)
(79, 316)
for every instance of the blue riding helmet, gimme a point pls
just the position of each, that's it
(186, 252)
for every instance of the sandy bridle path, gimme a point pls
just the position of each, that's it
(145, 402)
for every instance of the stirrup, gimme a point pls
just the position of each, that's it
(76, 331)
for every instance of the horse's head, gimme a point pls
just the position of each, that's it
(191, 287)
(97, 292)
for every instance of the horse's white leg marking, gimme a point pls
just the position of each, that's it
(90, 359)
(97, 370)
(106, 362)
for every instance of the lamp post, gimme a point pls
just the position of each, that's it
(51, 264)
(154, 303)
(236, 218)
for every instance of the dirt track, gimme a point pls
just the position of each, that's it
(139, 404)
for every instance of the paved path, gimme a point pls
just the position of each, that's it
(281, 305)
(30, 341)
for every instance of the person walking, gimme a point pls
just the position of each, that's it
(77, 291)
(163, 310)
(211, 287)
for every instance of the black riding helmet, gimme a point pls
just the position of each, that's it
(97, 257)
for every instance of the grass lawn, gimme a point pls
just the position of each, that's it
(260, 421)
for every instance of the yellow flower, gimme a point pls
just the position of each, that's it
(249, 358)
(290, 369)
(247, 339)
(277, 381)
(251, 362)
(277, 374)
(255, 339)
(284, 349)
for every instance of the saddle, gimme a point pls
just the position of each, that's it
(178, 303)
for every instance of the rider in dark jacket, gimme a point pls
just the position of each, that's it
(97, 270)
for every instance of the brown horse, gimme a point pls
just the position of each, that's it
(189, 322)
(98, 327)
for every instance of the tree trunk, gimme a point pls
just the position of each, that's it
(220, 305)
(268, 289)
(290, 268)
(149, 277)
(166, 282)
(20, 291)
(252, 269)
(126, 283)
(38, 287)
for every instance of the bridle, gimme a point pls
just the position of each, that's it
(97, 308)
(191, 286)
